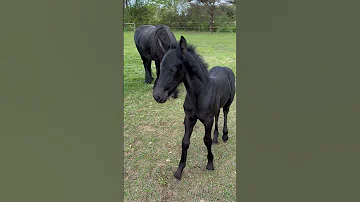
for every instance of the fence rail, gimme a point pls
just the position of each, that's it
(129, 26)
(192, 26)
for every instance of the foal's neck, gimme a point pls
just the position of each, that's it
(198, 74)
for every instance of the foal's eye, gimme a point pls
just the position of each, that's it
(173, 70)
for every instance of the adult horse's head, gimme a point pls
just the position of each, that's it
(172, 71)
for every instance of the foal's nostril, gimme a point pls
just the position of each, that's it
(157, 98)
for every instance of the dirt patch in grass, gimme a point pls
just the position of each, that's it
(146, 128)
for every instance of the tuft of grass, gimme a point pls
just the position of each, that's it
(153, 133)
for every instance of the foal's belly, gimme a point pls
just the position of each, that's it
(207, 111)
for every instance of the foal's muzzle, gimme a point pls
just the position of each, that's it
(160, 95)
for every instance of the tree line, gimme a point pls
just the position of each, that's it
(198, 15)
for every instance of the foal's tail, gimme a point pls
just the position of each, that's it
(232, 84)
(231, 79)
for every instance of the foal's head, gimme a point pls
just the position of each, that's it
(172, 71)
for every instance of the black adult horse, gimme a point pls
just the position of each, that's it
(152, 42)
(207, 92)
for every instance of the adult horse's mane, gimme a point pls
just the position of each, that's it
(162, 34)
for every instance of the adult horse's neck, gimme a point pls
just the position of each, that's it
(163, 38)
(171, 36)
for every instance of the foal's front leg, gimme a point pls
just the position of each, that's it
(208, 142)
(189, 126)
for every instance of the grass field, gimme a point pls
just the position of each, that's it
(153, 133)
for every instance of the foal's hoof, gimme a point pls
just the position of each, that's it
(215, 141)
(210, 166)
(149, 80)
(177, 174)
(225, 138)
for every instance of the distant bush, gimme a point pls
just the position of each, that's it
(193, 17)
(226, 29)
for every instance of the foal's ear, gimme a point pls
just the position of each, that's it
(183, 45)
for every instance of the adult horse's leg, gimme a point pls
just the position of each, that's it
(147, 67)
(157, 64)
(189, 126)
(216, 131)
(175, 93)
(208, 142)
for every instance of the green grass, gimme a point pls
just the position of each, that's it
(153, 133)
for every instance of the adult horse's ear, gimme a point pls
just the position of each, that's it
(183, 45)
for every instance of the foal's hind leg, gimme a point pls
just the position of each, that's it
(216, 131)
(225, 136)
(207, 141)
(226, 108)
(147, 67)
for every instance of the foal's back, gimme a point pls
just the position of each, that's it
(224, 80)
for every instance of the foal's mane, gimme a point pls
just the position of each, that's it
(191, 49)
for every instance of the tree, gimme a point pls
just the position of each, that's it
(126, 3)
(140, 12)
(210, 6)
